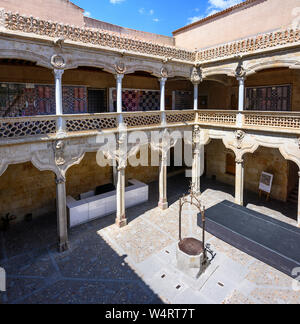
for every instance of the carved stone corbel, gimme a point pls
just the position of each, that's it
(239, 135)
(164, 73)
(196, 75)
(58, 62)
(240, 71)
(120, 67)
(196, 135)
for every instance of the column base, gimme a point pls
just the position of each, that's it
(61, 134)
(239, 203)
(163, 205)
(63, 247)
(121, 222)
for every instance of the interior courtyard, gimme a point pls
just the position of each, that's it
(74, 231)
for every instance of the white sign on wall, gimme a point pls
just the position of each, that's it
(2, 280)
(266, 182)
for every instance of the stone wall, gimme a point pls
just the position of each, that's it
(24, 189)
(137, 34)
(220, 96)
(264, 159)
(87, 175)
(226, 96)
(238, 24)
(61, 11)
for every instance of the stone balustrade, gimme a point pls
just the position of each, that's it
(250, 45)
(46, 126)
(32, 25)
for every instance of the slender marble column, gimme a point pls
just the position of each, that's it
(58, 73)
(299, 202)
(239, 182)
(62, 222)
(121, 220)
(162, 98)
(119, 78)
(241, 100)
(163, 200)
(196, 91)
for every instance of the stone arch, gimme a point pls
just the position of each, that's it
(228, 71)
(91, 62)
(271, 64)
(26, 55)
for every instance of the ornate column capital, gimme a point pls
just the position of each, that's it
(60, 180)
(120, 68)
(58, 62)
(163, 80)
(196, 76)
(164, 73)
(119, 77)
(58, 73)
(240, 72)
(239, 161)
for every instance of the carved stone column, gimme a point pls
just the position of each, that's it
(119, 79)
(121, 220)
(120, 69)
(196, 91)
(58, 63)
(239, 182)
(196, 79)
(58, 73)
(241, 77)
(196, 169)
(62, 221)
(162, 98)
(299, 202)
(163, 200)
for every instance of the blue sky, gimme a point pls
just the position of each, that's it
(156, 16)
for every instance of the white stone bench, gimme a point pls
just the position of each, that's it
(88, 209)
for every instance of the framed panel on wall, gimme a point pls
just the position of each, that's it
(135, 100)
(269, 98)
(97, 101)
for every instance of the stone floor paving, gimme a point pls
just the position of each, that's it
(137, 264)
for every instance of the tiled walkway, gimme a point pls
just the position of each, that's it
(137, 263)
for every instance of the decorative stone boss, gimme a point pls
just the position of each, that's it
(191, 253)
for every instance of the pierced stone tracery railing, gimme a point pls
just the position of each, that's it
(27, 126)
(250, 45)
(81, 123)
(217, 117)
(43, 126)
(272, 120)
(26, 24)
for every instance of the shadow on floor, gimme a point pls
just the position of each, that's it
(91, 272)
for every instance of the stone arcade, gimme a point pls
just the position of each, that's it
(68, 83)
